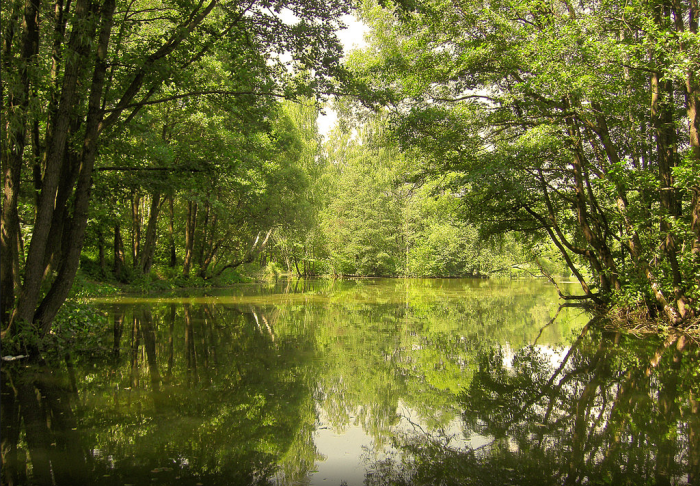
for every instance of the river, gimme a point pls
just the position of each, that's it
(352, 382)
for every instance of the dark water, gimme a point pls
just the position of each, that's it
(378, 382)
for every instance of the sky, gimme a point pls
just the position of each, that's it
(352, 37)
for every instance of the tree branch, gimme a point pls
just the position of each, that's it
(190, 94)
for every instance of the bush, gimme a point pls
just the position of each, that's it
(272, 271)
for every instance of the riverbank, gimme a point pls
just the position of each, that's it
(76, 322)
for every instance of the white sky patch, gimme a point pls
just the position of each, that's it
(352, 38)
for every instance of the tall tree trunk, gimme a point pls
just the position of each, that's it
(101, 250)
(118, 253)
(171, 233)
(61, 286)
(203, 240)
(9, 245)
(692, 96)
(296, 265)
(601, 256)
(135, 229)
(190, 227)
(13, 144)
(149, 246)
(667, 152)
(58, 234)
(34, 268)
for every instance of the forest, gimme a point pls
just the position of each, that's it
(148, 141)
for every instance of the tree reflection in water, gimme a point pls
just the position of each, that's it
(43, 401)
(234, 391)
(204, 402)
(613, 410)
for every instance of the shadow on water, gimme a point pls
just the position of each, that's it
(451, 383)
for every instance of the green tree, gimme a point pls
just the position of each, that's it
(72, 81)
(574, 124)
(382, 215)
(362, 221)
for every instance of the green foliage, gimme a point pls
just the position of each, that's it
(272, 271)
(563, 122)
(546, 417)
(78, 328)
(269, 364)
(153, 101)
(383, 218)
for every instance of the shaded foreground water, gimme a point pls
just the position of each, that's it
(372, 382)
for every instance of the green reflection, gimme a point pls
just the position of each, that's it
(232, 386)
(612, 409)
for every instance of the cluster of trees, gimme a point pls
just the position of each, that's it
(382, 216)
(575, 123)
(146, 103)
(224, 187)
(141, 132)
(155, 131)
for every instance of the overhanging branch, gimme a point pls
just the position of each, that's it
(194, 93)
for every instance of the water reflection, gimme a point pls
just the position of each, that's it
(49, 441)
(416, 382)
(613, 409)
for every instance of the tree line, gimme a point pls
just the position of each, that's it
(91, 86)
(183, 134)
(576, 124)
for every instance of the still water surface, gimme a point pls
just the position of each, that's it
(371, 382)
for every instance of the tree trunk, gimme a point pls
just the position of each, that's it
(600, 257)
(101, 250)
(61, 214)
(692, 93)
(667, 152)
(135, 229)
(118, 253)
(34, 267)
(190, 227)
(256, 249)
(9, 246)
(203, 240)
(149, 246)
(69, 265)
(69, 115)
(171, 232)
(211, 256)
(13, 144)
